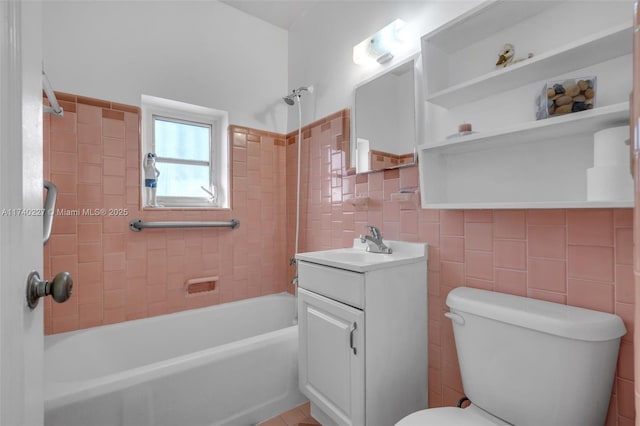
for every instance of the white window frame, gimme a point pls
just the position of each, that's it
(219, 149)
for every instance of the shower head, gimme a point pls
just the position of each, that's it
(301, 89)
(297, 93)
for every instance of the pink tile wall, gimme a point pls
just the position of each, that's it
(578, 257)
(92, 155)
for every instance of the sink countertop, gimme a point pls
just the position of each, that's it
(357, 259)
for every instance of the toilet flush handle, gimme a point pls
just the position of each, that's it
(458, 319)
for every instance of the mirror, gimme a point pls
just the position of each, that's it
(384, 120)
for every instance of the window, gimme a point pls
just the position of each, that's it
(191, 150)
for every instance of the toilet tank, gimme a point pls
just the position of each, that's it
(531, 362)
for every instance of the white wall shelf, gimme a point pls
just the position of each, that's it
(513, 161)
(595, 48)
(585, 122)
(481, 22)
(533, 205)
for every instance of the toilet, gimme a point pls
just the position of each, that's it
(528, 362)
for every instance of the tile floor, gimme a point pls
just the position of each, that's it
(298, 416)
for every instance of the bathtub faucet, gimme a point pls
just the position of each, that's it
(374, 241)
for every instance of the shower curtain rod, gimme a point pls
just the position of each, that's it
(55, 107)
(138, 225)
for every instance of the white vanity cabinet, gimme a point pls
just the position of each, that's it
(363, 334)
(331, 367)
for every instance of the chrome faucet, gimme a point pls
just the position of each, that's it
(374, 241)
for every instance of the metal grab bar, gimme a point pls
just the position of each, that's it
(138, 225)
(49, 209)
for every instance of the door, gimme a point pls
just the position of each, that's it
(21, 191)
(635, 169)
(331, 357)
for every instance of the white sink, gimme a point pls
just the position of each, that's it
(357, 259)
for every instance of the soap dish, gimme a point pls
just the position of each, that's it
(407, 200)
(357, 201)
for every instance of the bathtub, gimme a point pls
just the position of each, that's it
(230, 364)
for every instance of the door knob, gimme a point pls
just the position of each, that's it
(59, 288)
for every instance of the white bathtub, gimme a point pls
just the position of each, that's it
(231, 364)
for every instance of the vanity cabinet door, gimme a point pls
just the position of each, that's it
(331, 357)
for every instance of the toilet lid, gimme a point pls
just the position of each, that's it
(450, 416)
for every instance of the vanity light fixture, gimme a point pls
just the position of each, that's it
(380, 47)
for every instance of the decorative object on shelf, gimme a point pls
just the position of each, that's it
(151, 174)
(609, 178)
(563, 97)
(464, 129)
(507, 55)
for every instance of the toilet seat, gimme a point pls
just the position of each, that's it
(451, 416)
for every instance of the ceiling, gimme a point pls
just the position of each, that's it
(282, 13)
